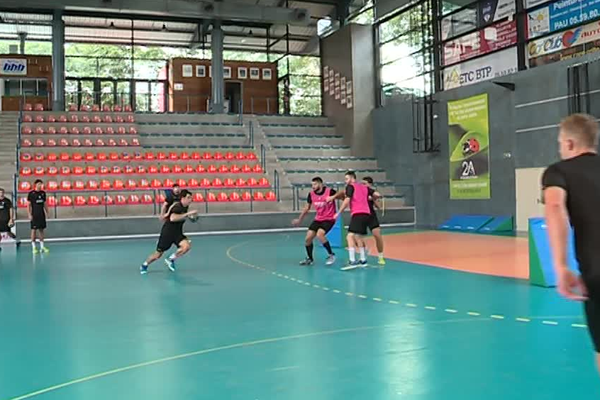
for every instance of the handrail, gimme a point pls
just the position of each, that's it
(263, 157)
(251, 133)
(276, 183)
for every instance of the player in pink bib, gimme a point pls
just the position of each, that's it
(323, 222)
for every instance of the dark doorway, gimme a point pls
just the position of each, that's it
(233, 94)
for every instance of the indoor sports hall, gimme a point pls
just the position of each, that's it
(248, 147)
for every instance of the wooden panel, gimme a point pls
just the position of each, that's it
(195, 91)
(38, 67)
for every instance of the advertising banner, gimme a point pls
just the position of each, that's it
(484, 68)
(561, 15)
(498, 36)
(476, 16)
(533, 3)
(495, 10)
(469, 157)
(13, 66)
(459, 23)
(564, 40)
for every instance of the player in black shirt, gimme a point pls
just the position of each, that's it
(374, 226)
(38, 211)
(172, 232)
(7, 215)
(171, 196)
(571, 190)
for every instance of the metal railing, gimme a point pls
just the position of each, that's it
(251, 133)
(270, 105)
(263, 157)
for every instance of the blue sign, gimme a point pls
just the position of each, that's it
(566, 13)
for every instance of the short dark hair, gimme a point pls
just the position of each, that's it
(317, 179)
(38, 181)
(175, 185)
(351, 173)
(185, 193)
(368, 179)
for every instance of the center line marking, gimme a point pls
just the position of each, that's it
(349, 294)
(579, 326)
(523, 319)
(432, 308)
(497, 316)
(451, 310)
(362, 296)
(376, 299)
(336, 291)
(549, 322)
(410, 305)
(393, 302)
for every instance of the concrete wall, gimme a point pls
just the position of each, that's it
(350, 52)
(523, 129)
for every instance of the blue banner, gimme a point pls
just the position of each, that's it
(560, 15)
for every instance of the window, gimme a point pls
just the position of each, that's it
(403, 46)
(418, 17)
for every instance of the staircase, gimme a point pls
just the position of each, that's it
(8, 142)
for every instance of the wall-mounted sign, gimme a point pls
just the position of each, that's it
(242, 73)
(560, 15)
(476, 16)
(200, 71)
(493, 66)
(178, 87)
(254, 73)
(266, 74)
(187, 70)
(13, 66)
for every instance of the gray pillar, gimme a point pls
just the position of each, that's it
(22, 38)
(218, 85)
(58, 62)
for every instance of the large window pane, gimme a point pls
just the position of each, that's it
(305, 85)
(364, 18)
(305, 105)
(405, 68)
(409, 20)
(418, 86)
(148, 69)
(447, 6)
(403, 46)
(300, 65)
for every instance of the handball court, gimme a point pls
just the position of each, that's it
(241, 320)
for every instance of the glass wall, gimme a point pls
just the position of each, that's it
(300, 85)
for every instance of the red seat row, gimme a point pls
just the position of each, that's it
(131, 184)
(36, 107)
(140, 169)
(74, 118)
(63, 130)
(148, 156)
(78, 143)
(105, 108)
(134, 199)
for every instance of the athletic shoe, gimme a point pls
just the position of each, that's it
(170, 264)
(144, 269)
(363, 264)
(34, 250)
(45, 250)
(381, 261)
(307, 262)
(350, 266)
(330, 259)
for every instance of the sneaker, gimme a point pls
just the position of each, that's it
(34, 250)
(381, 261)
(144, 269)
(330, 259)
(363, 264)
(350, 266)
(45, 250)
(307, 262)
(170, 264)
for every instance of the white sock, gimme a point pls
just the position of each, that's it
(363, 256)
(41, 244)
(381, 254)
(145, 264)
(173, 257)
(352, 254)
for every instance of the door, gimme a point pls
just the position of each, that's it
(529, 196)
(233, 94)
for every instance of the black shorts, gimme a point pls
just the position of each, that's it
(166, 240)
(359, 223)
(38, 223)
(325, 225)
(4, 226)
(592, 315)
(373, 222)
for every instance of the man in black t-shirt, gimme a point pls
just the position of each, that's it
(171, 196)
(38, 211)
(374, 226)
(172, 232)
(7, 215)
(571, 191)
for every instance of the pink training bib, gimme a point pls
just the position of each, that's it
(325, 210)
(359, 204)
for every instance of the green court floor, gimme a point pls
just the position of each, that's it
(241, 320)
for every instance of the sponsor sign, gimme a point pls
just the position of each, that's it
(13, 66)
(484, 68)
(497, 36)
(459, 23)
(495, 10)
(564, 40)
(533, 3)
(560, 15)
(479, 15)
(566, 54)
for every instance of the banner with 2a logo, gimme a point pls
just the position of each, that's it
(469, 150)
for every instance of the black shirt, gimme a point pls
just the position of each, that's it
(37, 201)
(174, 228)
(171, 198)
(371, 201)
(5, 206)
(332, 192)
(580, 178)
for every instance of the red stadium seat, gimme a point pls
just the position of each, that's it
(240, 182)
(39, 130)
(258, 196)
(52, 142)
(23, 203)
(89, 156)
(141, 170)
(117, 108)
(182, 182)
(128, 169)
(198, 198)
(39, 143)
(240, 156)
(51, 119)
(84, 108)
(65, 170)
(263, 182)
(92, 185)
(133, 199)
(207, 156)
(100, 142)
(27, 118)
(62, 118)
(195, 156)
(123, 142)
(112, 142)
(39, 171)
(24, 186)
(173, 156)
(251, 156)
(189, 169)
(73, 118)
(229, 182)
(120, 200)
(113, 156)
(105, 185)
(28, 107)
(26, 143)
(252, 182)
(127, 108)
(102, 157)
(144, 184)
(79, 185)
(94, 201)
(164, 169)
(65, 201)
(85, 119)
(51, 201)
(218, 156)
(160, 199)
(153, 169)
(257, 169)
(87, 130)
(138, 156)
(108, 200)
(104, 170)
(39, 118)
(27, 157)
(130, 118)
(200, 169)
(177, 169)
(270, 196)
(75, 143)
(149, 156)
(72, 107)
(52, 186)
(222, 197)
(110, 130)
(98, 131)
(184, 155)
(246, 196)
(204, 183)
(38, 107)
(161, 156)
(63, 130)
(147, 199)
(91, 170)
(26, 130)
(87, 143)
(246, 169)
(78, 170)
(121, 130)
(108, 119)
(229, 156)
(95, 108)
(217, 182)
(51, 130)
(169, 183)
(119, 119)
(156, 184)
(132, 131)
(96, 119)
(193, 183)
(116, 170)
(118, 184)
(235, 197)
(235, 169)
(65, 185)
(25, 171)
(62, 157)
(212, 169)
(211, 197)
(52, 171)
(131, 184)
(76, 157)
(223, 169)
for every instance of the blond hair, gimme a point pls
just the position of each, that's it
(583, 128)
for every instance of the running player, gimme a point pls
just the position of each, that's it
(323, 222)
(7, 216)
(357, 197)
(171, 196)
(172, 232)
(38, 212)
(571, 190)
(374, 221)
